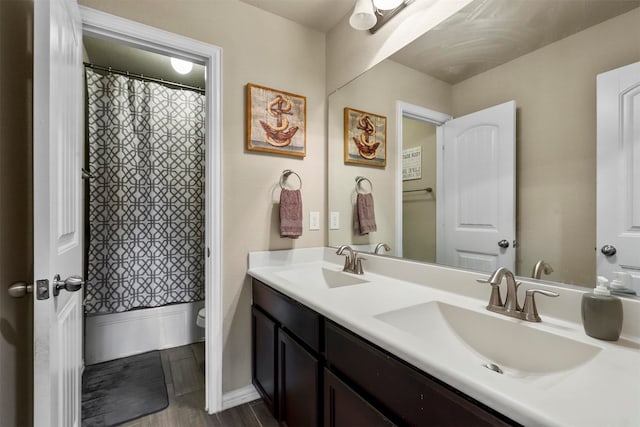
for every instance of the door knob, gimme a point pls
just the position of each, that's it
(608, 250)
(70, 284)
(20, 289)
(503, 243)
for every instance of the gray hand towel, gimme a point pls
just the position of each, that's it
(290, 213)
(364, 220)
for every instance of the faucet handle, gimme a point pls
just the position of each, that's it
(495, 300)
(530, 311)
(358, 265)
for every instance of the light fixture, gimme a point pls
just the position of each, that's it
(373, 14)
(363, 16)
(386, 4)
(181, 66)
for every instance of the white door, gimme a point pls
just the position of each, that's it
(57, 153)
(618, 178)
(477, 218)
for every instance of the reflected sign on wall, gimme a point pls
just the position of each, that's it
(411, 163)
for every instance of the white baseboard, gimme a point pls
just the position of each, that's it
(112, 336)
(239, 396)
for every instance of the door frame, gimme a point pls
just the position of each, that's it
(405, 109)
(111, 27)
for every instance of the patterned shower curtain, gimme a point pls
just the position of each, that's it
(146, 198)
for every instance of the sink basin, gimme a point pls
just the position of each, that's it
(323, 277)
(515, 347)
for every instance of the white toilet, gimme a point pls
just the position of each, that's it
(200, 320)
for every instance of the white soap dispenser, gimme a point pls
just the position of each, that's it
(602, 312)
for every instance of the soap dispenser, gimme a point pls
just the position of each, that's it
(602, 312)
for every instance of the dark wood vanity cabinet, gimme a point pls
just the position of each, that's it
(286, 358)
(312, 372)
(343, 407)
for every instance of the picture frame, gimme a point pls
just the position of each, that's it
(276, 121)
(365, 138)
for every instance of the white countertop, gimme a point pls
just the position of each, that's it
(605, 391)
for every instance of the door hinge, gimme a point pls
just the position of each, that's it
(208, 253)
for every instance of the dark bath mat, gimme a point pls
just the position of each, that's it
(122, 390)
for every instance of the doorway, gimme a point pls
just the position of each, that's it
(108, 27)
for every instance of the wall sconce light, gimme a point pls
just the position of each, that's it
(363, 16)
(373, 14)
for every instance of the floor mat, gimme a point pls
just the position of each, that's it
(124, 389)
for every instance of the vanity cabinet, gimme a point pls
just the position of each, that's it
(311, 372)
(286, 359)
(407, 394)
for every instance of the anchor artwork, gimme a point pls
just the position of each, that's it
(365, 138)
(276, 121)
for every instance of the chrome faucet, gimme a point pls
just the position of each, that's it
(541, 267)
(352, 261)
(511, 307)
(381, 245)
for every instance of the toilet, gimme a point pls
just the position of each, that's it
(200, 320)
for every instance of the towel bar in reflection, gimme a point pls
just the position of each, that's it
(359, 180)
(285, 174)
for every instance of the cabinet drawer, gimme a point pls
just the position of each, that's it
(408, 395)
(301, 321)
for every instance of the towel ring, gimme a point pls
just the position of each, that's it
(285, 175)
(359, 180)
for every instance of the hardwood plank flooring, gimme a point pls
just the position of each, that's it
(184, 376)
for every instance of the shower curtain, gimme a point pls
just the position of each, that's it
(146, 199)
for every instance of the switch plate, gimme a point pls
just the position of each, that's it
(314, 220)
(334, 220)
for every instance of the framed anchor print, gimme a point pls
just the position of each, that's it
(276, 121)
(365, 138)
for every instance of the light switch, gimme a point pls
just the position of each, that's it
(334, 220)
(314, 220)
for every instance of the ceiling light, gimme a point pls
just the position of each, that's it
(386, 4)
(363, 16)
(181, 66)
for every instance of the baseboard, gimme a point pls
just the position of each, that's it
(239, 396)
(112, 336)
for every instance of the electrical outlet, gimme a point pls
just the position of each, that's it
(314, 220)
(334, 220)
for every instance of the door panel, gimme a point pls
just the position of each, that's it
(618, 179)
(57, 146)
(479, 190)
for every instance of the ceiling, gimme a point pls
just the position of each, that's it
(125, 58)
(483, 35)
(488, 33)
(321, 15)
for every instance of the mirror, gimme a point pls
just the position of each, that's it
(543, 54)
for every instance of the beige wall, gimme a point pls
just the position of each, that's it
(16, 259)
(555, 91)
(419, 208)
(261, 48)
(376, 92)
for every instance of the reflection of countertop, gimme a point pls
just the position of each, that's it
(603, 391)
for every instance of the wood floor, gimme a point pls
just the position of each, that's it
(184, 374)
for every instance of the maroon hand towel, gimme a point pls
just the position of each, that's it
(365, 216)
(290, 213)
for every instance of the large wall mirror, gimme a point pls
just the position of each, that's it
(542, 54)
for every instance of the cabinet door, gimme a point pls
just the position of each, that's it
(263, 360)
(298, 382)
(343, 407)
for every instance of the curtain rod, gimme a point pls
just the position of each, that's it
(142, 77)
